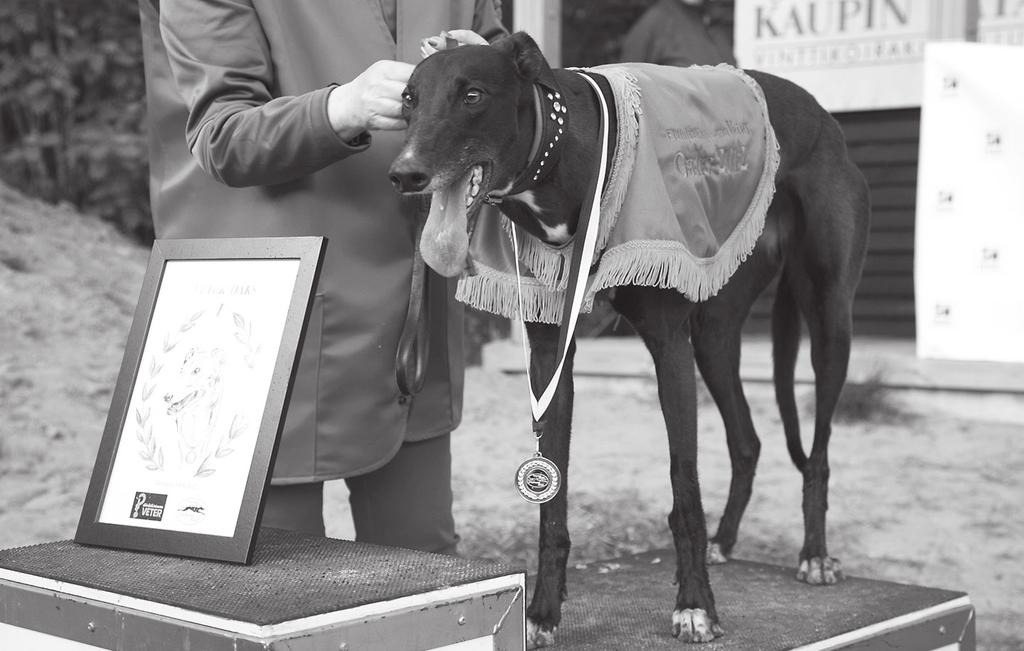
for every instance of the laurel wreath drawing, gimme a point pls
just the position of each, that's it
(238, 427)
(243, 334)
(152, 452)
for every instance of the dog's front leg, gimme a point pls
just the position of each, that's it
(661, 318)
(545, 611)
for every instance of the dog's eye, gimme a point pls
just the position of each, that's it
(408, 99)
(473, 96)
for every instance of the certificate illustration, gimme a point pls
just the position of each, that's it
(206, 368)
(201, 394)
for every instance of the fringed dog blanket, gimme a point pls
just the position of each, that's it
(684, 204)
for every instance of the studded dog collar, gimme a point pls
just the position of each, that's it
(551, 117)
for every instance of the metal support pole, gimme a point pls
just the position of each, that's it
(543, 20)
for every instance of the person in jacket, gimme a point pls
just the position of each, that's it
(271, 118)
(682, 33)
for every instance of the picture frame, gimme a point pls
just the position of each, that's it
(201, 395)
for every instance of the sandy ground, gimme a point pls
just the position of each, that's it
(928, 492)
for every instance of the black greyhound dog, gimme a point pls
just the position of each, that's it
(471, 127)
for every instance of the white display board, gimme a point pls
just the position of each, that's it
(852, 55)
(969, 249)
(1001, 21)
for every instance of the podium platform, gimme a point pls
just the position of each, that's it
(627, 604)
(315, 594)
(301, 593)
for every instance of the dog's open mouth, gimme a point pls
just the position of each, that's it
(444, 243)
(177, 406)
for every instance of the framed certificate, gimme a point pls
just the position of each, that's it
(200, 399)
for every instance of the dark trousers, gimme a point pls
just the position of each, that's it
(405, 503)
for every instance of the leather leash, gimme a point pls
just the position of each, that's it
(414, 342)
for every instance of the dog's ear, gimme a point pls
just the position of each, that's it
(524, 52)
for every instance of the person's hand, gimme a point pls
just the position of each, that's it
(371, 101)
(432, 44)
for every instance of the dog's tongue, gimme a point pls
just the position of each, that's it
(444, 242)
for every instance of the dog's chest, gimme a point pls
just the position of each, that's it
(532, 208)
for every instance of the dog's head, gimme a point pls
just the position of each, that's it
(470, 128)
(198, 382)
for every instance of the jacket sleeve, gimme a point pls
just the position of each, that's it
(237, 130)
(487, 20)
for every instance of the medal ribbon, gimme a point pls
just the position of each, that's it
(589, 219)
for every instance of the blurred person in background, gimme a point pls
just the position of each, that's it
(682, 33)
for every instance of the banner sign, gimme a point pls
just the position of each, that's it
(1001, 21)
(969, 248)
(851, 55)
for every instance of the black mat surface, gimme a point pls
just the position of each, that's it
(292, 576)
(627, 604)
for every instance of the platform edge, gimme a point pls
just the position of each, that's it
(895, 623)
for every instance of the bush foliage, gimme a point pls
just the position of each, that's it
(72, 106)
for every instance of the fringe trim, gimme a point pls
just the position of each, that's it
(495, 292)
(669, 265)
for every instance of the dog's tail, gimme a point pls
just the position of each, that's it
(785, 346)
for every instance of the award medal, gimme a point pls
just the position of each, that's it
(538, 479)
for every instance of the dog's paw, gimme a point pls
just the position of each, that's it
(820, 571)
(715, 554)
(694, 625)
(537, 637)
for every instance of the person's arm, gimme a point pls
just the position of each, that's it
(237, 130)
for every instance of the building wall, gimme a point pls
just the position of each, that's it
(885, 146)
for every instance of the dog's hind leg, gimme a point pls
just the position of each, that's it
(716, 326)
(823, 273)
(828, 323)
(785, 347)
(661, 317)
(545, 611)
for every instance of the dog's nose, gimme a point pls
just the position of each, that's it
(413, 181)
(407, 176)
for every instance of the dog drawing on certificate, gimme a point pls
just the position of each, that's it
(193, 399)
(474, 123)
